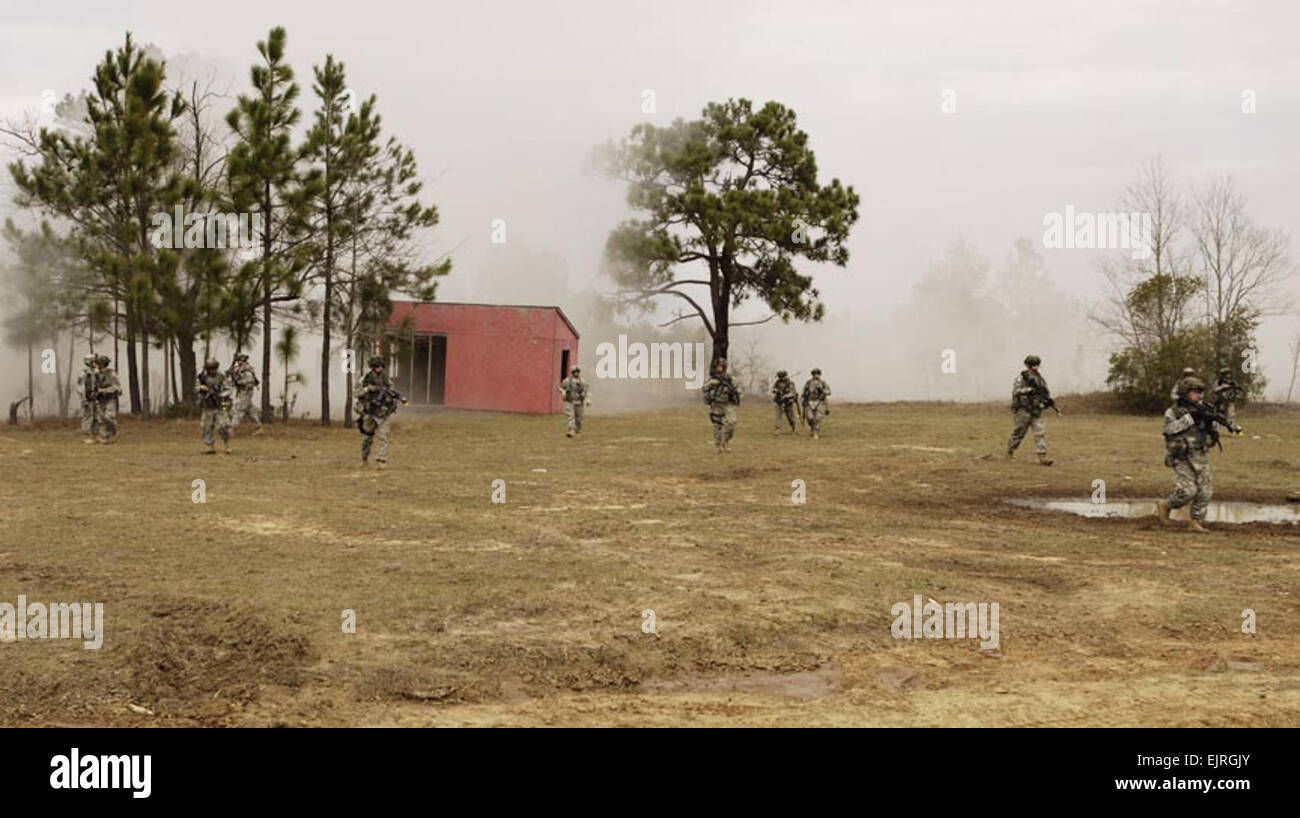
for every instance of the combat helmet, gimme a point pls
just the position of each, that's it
(241, 356)
(721, 364)
(816, 371)
(781, 373)
(212, 363)
(376, 361)
(103, 360)
(1227, 370)
(90, 360)
(576, 370)
(1188, 385)
(1188, 372)
(1032, 360)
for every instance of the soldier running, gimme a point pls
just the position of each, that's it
(376, 402)
(215, 400)
(722, 396)
(786, 397)
(576, 395)
(1226, 394)
(1189, 433)
(107, 389)
(815, 403)
(244, 380)
(1029, 397)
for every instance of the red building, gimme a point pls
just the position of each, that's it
(481, 356)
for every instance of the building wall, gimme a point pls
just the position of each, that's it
(498, 357)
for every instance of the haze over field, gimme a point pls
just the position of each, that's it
(502, 103)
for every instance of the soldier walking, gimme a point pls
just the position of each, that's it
(815, 403)
(1226, 394)
(89, 426)
(576, 396)
(215, 400)
(786, 397)
(376, 402)
(722, 396)
(1189, 433)
(244, 380)
(1029, 397)
(107, 389)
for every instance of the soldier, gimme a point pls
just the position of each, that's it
(576, 396)
(815, 404)
(786, 397)
(1226, 394)
(244, 380)
(1187, 372)
(1189, 433)
(376, 402)
(107, 388)
(215, 399)
(1029, 397)
(722, 396)
(89, 426)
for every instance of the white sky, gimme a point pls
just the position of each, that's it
(1056, 104)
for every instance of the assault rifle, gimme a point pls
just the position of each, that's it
(1045, 399)
(369, 400)
(1207, 419)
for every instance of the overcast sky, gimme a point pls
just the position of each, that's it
(1056, 104)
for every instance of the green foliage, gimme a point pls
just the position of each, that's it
(737, 192)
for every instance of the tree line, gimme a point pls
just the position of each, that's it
(337, 216)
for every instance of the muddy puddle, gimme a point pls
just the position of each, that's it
(1218, 512)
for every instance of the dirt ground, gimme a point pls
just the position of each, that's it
(529, 612)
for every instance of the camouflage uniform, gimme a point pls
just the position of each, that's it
(376, 402)
(575, 392)
(89, 423)
(244, 379)
(1188, 438)
(216, 401)
(1027, 404)
(722, 396)
(1226, 394)
(786, 397)
(815, 405)
(107, 389)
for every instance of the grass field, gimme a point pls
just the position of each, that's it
(529, 612)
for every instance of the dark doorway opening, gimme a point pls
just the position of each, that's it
(422, 369)
(564, 364)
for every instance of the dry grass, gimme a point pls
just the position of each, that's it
(529, 612)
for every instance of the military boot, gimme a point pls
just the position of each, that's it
(258, 431)
(1194, 526)
(1044, 460)
(210, 449)
(382, 464)
(1162, 511)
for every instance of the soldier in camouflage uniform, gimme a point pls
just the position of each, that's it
(107, 389)
(1029, 397)
(213, 390)
(786, 397)
(1187, 372)
(89, 426)
(1226, 394)
(815, 403)
(376, 402)
(1188, 438)
(722, 396)
(576, 396)
(244, 380)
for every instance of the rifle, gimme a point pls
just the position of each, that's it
(1045, 399)
(1207, 418)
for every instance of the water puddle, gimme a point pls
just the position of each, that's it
(1218, 512)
